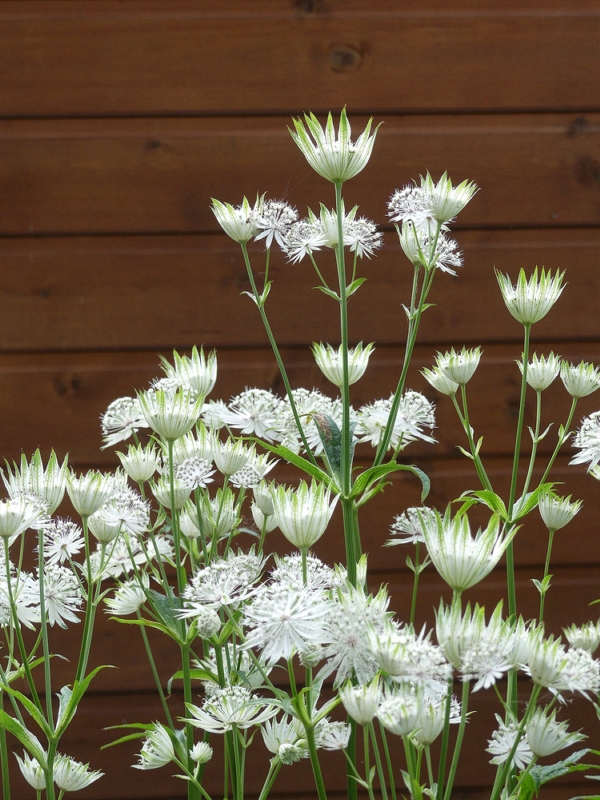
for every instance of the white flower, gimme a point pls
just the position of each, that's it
(361, 702)
(426, 247)
(541, 371)
(400, 711)
(587, 439)
(162, 491)
(122, 418)
(447, 200)
(90, 491)
(360, 235)
(32, 771)
(16, 516)
(407, 526)
(406, 657)
(412, 204)
(128, 510)
(459, 367)
(546, 736)
(284, 620)
(140, 463)
(196, 373)
(330, 362)
(335, 158)
(432, 716)
(62, 595)
(557, 511)
(253, 472)
(303, 514)
(71, 775)
(253, 412)
(129, 597)
(225, 581)
(171, 415)
(201, 752)
(332, 735)
(157, 749)
(194, 473)
(302, 238)
(436, 378)
(288, 573)
(274, 222)
(229, 708)
(49, 484)
(352, 619)
(239, 223)
(286, 739)
(461, 559)
(62, 540)
(415, 413)
(531, 299)
(580, 380)
(230, 456)
(585, 637)
(502, 743)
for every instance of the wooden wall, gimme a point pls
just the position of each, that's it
(119, 120)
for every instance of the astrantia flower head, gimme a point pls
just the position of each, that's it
(557, 511)
(303, 238)
(239, 222)
(253, 412)
(229, 708)
(436, 378)
(447, 200)
(201, 753)
(170, 415)
(71, 775)
(587, 439)
(329, 361)
(274, 222)
(157, 749)
(415, 413)
(412, 204)
(361, 702)
(16, 516)
(503, 742)
(63, 540)
(90, 491)
(399, 711)
(360, 235)
(194, 473)
(541, 371)
(303, 514)
(425, 247)
(140, 463)
(409, 658)
(122, 418)
(584, 637)
(129, 597)
(231, 455)
(32, 771)
(286, 739)
(178, 497)
(407, 527)
(47, 483)
(580, 380)
(532, 298)
(461, 559)
(196, 373)
(459, 367)
(546, 736)
(335, 157)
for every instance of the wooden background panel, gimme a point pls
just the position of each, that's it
(109, 58)
(156, 292)
(55, 400)
(158, 175)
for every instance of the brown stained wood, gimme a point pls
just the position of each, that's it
(155, 175)
(156, 292)
(55, 400)
(196, 57)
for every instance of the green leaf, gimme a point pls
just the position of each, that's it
(492, 501)
(331, 437)
(31, 708)
(373, 474)
(329, 292)
(354, 286)
(69, 699)
(138, 726)
(542, 775)
(298, 461)
(27, 739)
(527, 789)
(542, 586)
(195, 675)
(165, 607)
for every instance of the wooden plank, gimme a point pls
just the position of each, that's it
(56, 399)
(198, 57)
(157, 175)
(157, 292)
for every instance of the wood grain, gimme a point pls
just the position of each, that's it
(156, 175)
(197, 57)
(159, 292)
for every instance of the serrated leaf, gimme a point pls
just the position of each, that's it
(542, 775)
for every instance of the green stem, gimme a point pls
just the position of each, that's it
(444, 745)
(156, 676)
(276, 353)
(346, 452)
(44, 631)
(274, 768)
(464, 418)
(351, 537)
(413, 605)
(459, 739)
(193, 793)
(534, 444)
(378, 762)
(561, 440)
(388, 761)
(4, 761)
(546, 571)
